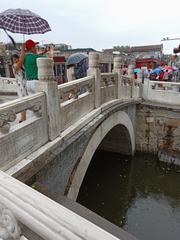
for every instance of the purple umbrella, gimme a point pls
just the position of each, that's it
(23, 21)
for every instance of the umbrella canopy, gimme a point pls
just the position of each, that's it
(23, 21)
(157, 70)
(175, 68)
(171, 68)
(137, 70)
(168, 67)
(76, 58)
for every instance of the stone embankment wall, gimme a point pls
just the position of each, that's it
(158, 128)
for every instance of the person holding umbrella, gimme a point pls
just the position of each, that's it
(24, 21)
(77, 65)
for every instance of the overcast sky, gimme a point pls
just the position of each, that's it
(104, 23)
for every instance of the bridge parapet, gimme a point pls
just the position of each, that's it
(77, 98)
(17, 140)
(53, 110)
(8, 86)
(44, 218)
(56, 108)
(109, 87)
(161, 92)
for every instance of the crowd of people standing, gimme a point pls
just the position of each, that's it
(163, 73)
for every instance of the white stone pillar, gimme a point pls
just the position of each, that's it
(117, 69)
(109, 67)
(94, 69)
(7, 71)
(145, 89)
(49, 86)
(131, 67)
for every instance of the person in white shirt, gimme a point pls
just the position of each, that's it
(18, 71)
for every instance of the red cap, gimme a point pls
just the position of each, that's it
(30, 43)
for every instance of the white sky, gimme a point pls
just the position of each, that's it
(104, 23)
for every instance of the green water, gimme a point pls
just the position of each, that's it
(141, 195)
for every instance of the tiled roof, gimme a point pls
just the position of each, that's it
(147, 48)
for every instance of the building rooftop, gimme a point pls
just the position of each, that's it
(81, 50)
(147, 48)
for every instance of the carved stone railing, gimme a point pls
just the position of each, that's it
(137, 89)
(59, 107)
(17, 140)
(50, 113)
(45, 218)
(126, 87)
(161, 91)
(109, 82)
(8, 86)
(76, 100)
(9, 227)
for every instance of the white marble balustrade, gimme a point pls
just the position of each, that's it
(109, 82)
(44, 217)
(161, 91)
(126, 87)
(76, 100)
(56, 108)
(17, 140)
(8, 85)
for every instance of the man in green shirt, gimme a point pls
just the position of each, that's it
(30, 64)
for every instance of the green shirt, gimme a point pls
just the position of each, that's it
(30, 65)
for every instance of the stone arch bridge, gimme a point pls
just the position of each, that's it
(68, 158)
(54, 146)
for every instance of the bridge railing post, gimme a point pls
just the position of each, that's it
(145, 88)
(94, 69)
(49, 86)
(131, 67)
(118, 69)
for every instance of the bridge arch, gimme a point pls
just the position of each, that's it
(118, 122)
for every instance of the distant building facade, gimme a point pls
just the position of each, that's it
(149, 51)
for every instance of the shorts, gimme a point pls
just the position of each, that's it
(32, 86)
(22, 88)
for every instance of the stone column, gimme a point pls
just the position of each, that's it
(7, 71)
(49, 86)
(145, 89)
(94, 70)
(109, 67)
(131, 67)
(117, 69)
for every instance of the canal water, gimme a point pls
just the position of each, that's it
(139, 194)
